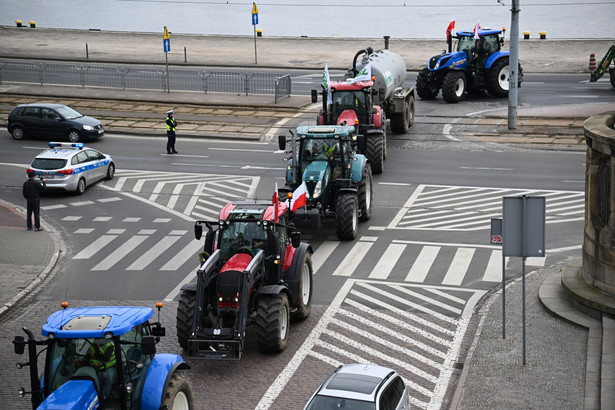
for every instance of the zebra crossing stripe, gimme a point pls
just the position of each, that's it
(322, 254)
(152, 253)
(354, 258)
(387, 262)
(426, 299)
(186, 254)
(95, 246)
(458, 267)
(420, 267)
(493, 273)
(120, 252)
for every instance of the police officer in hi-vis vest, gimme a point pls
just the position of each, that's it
(171, 126)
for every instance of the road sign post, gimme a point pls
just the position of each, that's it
(166, 47)
(523, 234)
(254, 23)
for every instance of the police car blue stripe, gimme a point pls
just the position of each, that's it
(84, 168)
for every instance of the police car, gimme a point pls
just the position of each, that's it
(72, 166)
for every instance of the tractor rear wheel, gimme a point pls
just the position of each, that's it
(184, 317)
(303, 306)
(497, 78)
(346, 217)
(177, 394)
(453, 86)
(272, 320)
(424, 88)
(401, 122)
(374, 151)
(365, 194)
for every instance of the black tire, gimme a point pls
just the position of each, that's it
(177, 394)
(81, 185)
(374, 151)
(346, 217)
(303, 307)
(18, 133)
(497, 78)
(74, 136)
(272, 323)
(110, 171)
(365, 194)
(401, 122)
(185, 317)
(612, 74)
(424, 88)
(454, 86)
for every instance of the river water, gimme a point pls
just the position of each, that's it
(318, 18)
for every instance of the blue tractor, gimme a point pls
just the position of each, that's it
(478, 64)
(104, 357)
(338, 180)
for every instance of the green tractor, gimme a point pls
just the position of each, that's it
(336, 180)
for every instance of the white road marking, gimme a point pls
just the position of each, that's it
(117, 255)
(387, 262)
(95, 246)
(152, 253)
(422, 264)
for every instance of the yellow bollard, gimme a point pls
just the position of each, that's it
(526, 35)
(18, 23)
(259, 33)
(543, 35)
(32, 23)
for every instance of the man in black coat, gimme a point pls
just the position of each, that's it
(31, 191)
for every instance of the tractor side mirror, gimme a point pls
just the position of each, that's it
(198, 231)
(295, 239)
(282, 140)
(159, 330)
(148, 345)
(501, 41)
(209, 242)
(20, 344)
(314, 96)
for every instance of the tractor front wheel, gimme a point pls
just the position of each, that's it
(374, 151)
(365, 194)
(303, 307)
(177, 394)
(184, 317)
(346, 217)
(424, 88)
(272, 320)
(453, 86)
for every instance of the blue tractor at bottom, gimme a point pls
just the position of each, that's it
(104, 357)
(478, 64)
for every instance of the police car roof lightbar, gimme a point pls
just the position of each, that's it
(66, 145)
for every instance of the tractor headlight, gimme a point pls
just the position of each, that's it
(317, 190)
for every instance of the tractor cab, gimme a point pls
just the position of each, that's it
(351, 103)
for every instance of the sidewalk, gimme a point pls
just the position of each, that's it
(492, 376)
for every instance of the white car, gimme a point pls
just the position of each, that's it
(361, 387)
(72, 166)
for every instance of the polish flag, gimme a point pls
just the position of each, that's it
(450, 28)
(276, 204)
(299, 197)
(476, 28)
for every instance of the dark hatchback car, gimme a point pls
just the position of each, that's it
(53, 121)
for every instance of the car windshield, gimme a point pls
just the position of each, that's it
(48, 163)
(68, 113)
(331, 403)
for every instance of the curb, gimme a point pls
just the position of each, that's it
(59, 247)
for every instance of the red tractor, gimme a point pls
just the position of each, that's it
(255, 271)
(372, 92)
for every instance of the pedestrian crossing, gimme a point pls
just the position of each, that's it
(466, 208)
(449, 264)
(415, 329)
(192, 194)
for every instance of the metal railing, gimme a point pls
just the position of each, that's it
(107, 76)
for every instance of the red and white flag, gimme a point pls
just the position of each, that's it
(450, 28)
(299, 197)
(276, 204)
(476, 28)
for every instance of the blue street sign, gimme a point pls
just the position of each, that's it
(166, 43)
(254, 19)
